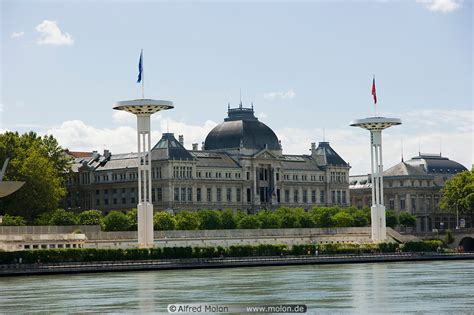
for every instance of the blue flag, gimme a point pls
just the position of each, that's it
(140, 67)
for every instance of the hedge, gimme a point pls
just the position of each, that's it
(95, 254)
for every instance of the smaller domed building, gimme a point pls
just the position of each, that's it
(241, 165)
(413, 186)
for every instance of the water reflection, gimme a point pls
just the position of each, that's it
(357, 288)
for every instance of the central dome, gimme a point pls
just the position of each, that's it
(241, 129)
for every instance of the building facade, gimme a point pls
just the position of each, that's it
(241, 165)
(414, 186)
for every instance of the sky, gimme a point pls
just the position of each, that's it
(306, 67)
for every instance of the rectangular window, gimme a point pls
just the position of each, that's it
(176, 194)
(305, 196)
(190, 194)
(229, 194)
(219, 196)
(249, 195)
(238, 195)
(295, 196)
(106, 201)
(333, 196)
(391, 204)
(124, 201)
(115, 201)
(402, 204)
(97, 202)
(209, 195)
(248, 175)
(198, 194)
(321, 196)
(344, 197)
(313, 196)
(287, 196)
(153, 199)
(159, 192)
(413, 204)
(183, 194)
(338, 197)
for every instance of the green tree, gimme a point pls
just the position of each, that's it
(42, 165)
(406, 219)
(11, 220)
(289, 218)
(164, 221)
(458, 194)
(187, 220)
(323, 216)
(307, 220)
(249, 222)
(132, 216)
(269, 219)
(343, 219)
(360, 218)
(209, 220)
(116, 221)
(228, 219)
(63, 217)
(391, 218)
(90, 217)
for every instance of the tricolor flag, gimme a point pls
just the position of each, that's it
(140, 67)
(374, 94)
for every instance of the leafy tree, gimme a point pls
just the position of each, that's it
(406, 219)
(164, 221)
(209, 220)
(186, 220)
(228, 219)
(249, 222)
(90, 217)
(269, 220)
(132, 217)
(306, 220)
(323, 217)
(449, 237)
(458, 194)
(63, 217)
(11, 220)
(290, 218)
(116, 221)
(343, 219)
(360, 218)
(42, 165)
(391, 218)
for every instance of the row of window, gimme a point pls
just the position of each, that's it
(338, 197)
(185, 194)
(413, 183)
(303, 178)
(338, 177)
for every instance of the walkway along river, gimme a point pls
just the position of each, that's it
(199, 263)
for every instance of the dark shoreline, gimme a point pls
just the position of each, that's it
(231, 262)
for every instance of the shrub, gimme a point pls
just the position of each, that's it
(132, 217)
(90, 217)
(323, 217)
(116, 221)
(249, 222)
(164, 221)
(228, 219)
(63, 217)
(406, 219)
(343, 219)
(269, 220)
(423, 246)
(449, 238)
(186, 220)
(391, 218)
(388, 247)
(360, 218)
(209, 219)
(11, 220)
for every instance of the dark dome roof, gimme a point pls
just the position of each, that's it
(241, 127)
(437, 164)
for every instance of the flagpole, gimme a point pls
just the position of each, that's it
(143, 77)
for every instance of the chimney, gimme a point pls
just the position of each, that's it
(195, 147)
(181, 140)
(107, 154)
(279, 143)
(313, 148)
(202, 145)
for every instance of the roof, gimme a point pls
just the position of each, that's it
(241, 129)
(436, 164)
(299, 162)
(404, 169)
(214, 159)
(325, 155)
(79, 154)
(168, 148)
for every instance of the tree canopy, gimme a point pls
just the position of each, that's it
(41, 163)
(458, 193)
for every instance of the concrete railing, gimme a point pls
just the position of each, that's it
(48, 229)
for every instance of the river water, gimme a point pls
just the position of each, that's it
(376, 288)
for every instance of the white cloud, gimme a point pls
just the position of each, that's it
(281, 95)
(17, 34)
(441, 5)
(50, 34)
(123, 117)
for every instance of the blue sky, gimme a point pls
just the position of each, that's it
(305, 66)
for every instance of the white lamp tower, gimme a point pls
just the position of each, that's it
(143, 109)
(375, 125)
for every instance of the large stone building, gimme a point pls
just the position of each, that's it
(413, 186)
(241, 166)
